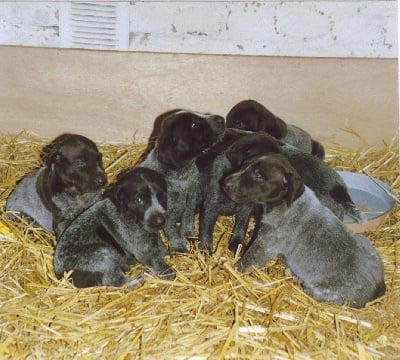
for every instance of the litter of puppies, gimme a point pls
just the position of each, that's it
(211, 309)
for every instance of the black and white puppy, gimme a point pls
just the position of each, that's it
(214, 165)
(252, 116)
(334, 264)
(117, 232)
(70, 181)
(326, 183)
(183, 137)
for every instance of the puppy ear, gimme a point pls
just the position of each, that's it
(294, 184)
(235, 158)
(273, 125)
(54, 157)
(117, 195)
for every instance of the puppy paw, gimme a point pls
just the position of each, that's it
(234, 243)
(355, 213)
(133, 282)
(168, 274)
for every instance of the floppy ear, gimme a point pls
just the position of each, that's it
(164, 140)
(117, 195)
(155, 134)
(54, 157)
(295, 186)
(278, 128)
(157, 126)
(235, 157)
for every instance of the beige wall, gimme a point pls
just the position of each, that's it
(110, 96)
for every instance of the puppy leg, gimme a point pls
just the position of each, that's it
(173, 234)
(151, 254)
(242, 219)
(256, 255)
(92, 265)
(208, 218)
(187, 223)
(112, 277)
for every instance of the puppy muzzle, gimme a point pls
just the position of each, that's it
(156, 222)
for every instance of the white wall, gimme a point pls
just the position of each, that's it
(366, 29)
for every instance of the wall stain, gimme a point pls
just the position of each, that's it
(145, 37)
(55, 29)
(276, 25)
(198, 33)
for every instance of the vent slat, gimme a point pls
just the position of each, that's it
(93, 4)
(95, 25)
(96, 33)
(93, 16)
(99, 23)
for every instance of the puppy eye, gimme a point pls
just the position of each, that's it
(194, 124)
(138, 200)
(79, 163)
(284, 183)
(256, 175)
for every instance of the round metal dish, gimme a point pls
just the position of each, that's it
(372, 196)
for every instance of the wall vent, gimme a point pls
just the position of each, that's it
(95, 25)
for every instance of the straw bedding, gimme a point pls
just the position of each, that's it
(210, 311)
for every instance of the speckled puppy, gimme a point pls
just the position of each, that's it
(117, 232)
(70, 182)
(326, 183)
(334, 264)
(184, 136)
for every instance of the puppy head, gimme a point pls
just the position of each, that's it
(185, 135)
(251, 145)
(140, 194)
(252, 116)
(76, 163)
(267, 179)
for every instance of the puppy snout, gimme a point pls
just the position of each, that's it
(158, 221)
(227, 186)
(101, 180)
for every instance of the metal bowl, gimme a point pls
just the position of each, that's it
(372, 196)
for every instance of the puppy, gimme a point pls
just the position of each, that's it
(70, 182)
(334, 264)
(326, 183)
(183, 137)
(213, 166)
(253, 116)
(117, 232)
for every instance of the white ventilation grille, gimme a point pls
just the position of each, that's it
(90, 25)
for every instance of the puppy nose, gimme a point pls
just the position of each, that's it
(101, 180)
(227, 186)
(158, 221)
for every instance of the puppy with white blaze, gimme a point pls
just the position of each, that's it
(333, 263)
(121, 230)
(70, 181)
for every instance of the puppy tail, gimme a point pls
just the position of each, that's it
(354, 212)
(340, 194)
(318, 149)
